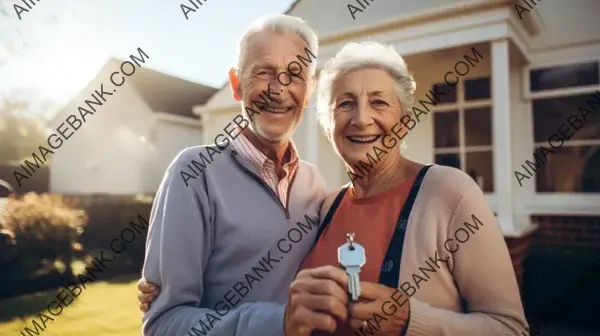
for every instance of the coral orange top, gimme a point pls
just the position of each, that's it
(373, 220)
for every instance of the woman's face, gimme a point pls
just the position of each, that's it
(365, 107)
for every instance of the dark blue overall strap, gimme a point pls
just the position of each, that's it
(390, 268)
(332, 209)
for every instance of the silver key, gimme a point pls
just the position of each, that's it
(352, 257)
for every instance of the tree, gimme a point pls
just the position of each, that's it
(13, 40)
(10, 44)
(19, 135)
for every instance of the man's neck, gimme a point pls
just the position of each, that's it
(276, 151)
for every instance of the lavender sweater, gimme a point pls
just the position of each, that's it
(223, 250)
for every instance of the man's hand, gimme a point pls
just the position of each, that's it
(377, 299)
(147, 292)
(317, 300)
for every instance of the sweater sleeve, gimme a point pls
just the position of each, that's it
(177, 252)
(483, 273)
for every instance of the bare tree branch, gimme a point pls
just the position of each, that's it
(13, 41)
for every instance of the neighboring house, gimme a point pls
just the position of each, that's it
(533, 73)
(126, 145)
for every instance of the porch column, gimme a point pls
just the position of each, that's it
(501, 135)
(206, 125)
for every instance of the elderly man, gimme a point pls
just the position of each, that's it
(225, 243)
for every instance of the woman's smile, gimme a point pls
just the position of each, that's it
(363, 139)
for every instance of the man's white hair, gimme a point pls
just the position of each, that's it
(355, 56)
(280, 24)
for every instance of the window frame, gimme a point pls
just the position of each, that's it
(557, 203)
(528, 96)
(461, 105)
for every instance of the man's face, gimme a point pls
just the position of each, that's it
(265, 77)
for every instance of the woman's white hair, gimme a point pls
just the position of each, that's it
(355, 56)
(280, 24)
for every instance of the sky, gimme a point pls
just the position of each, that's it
(58, 46)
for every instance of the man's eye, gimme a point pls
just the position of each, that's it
(379, 102)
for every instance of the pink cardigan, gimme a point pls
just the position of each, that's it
(454, 251)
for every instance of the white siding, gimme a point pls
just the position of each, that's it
(105, 155)
(122, 149)
(567, 23)
(168, 139)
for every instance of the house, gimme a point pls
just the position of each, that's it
(521, 69)
(129, 136)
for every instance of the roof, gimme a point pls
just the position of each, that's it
(162, 92)
(292, 6)
(168, 94)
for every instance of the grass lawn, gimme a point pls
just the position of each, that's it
(103, 308)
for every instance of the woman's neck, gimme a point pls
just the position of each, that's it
(385, 176)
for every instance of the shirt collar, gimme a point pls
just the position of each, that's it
(245, 148)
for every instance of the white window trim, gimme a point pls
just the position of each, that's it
(572, 143)
(564, 204)
(555, 93)
(461, 105)
(556, 203)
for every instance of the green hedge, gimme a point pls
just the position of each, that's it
(41, 229)
(46, 228)
(109, 216)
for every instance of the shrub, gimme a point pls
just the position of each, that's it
(45, 227)
(108, 216)
(8, 248)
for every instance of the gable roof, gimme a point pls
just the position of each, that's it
(162, 92)
(292, 6)
(166, 93)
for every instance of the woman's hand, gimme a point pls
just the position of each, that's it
(317, 301)
(380, 311)
(147, 292)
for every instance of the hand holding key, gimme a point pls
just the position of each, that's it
(317, 301)
(352, 257)
(389, 303)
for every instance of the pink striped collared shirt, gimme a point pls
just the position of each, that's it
(266, 166)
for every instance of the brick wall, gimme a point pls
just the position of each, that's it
(519, 249)
(561, 250)
(570, 232)
(557, 233)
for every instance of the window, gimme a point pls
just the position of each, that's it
(582, 74)
(566, 120)
(462, 125)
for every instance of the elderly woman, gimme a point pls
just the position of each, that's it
(436, 261)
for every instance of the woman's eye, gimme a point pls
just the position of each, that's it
(346, 104)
